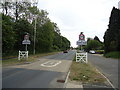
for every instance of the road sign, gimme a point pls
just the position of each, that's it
(26, 37)
(26, 42)
(81, 42)
(81, 36)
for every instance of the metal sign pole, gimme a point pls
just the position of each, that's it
(81, 46)
(26, 47)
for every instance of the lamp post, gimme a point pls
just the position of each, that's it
(35, 4)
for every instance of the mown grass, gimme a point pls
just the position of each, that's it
(85, 73)
(31, 58)
(114, 54)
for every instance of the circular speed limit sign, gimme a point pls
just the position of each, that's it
(81, 36)
(26, 37)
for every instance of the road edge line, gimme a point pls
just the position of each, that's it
(66, 79)
(106, 79)
(67, 76)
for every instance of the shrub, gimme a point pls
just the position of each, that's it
(115, 54)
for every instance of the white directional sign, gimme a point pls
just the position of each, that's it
(81, 42)
(26, 42)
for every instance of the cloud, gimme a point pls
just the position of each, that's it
(75, 16)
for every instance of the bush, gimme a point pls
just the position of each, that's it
(99, 51)
(115, 54)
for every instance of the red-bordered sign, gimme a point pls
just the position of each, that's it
(81, 36)
(26, 37)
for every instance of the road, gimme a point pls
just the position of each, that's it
(47, 72)
(107, 66)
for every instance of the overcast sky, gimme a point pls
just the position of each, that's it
(75, 16)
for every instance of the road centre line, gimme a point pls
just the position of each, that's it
(50, 62)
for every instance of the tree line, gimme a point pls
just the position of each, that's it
(111, 37)
(94, 44)
(19, 19)
(112, 34)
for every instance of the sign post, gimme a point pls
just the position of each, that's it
(82, 56)
(81, 40)
(24, 54)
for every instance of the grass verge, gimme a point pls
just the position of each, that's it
(85, 73)
(31, 58)
(115, 54)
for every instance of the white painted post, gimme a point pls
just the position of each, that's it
(19, 56)
(86, 58)
(26, 55)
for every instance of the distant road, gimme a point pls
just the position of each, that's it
(44, 73)
(108, 66)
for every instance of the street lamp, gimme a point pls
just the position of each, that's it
(35, 4)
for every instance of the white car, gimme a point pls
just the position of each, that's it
(92, 51)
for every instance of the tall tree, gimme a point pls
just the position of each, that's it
(23, 20)
(8, 33)
(96, 38)
(111, 37)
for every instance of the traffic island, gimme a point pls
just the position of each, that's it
(87, 76)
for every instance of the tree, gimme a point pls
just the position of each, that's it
(22, 27)
(112, 34)
(6, 6)
(45, 37)
(17, 24)
(65, 43)
(8, 33)
(96, 38)
(93, 45)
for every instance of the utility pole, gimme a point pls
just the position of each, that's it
(34, 35)
(35, 4)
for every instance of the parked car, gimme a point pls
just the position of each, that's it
(65, 51)
(92, 51)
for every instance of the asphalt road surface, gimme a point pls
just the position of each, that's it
(47, 72)
(107, 66)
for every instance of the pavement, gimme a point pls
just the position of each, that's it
(53, 72)
(48, 72)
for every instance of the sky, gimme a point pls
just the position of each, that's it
(74, 16)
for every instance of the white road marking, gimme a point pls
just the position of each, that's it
(106, 79)
(67, 77)
(49, 63)
(71, 85)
